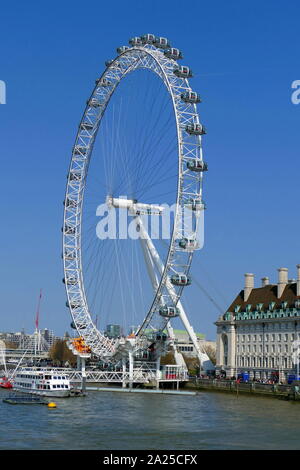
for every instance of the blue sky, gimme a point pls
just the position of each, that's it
(244, 56)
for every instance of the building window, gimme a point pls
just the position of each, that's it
(259, 361)
(266, 362)
(272, 363)
(225, 349)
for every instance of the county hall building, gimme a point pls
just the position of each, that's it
(260, 332)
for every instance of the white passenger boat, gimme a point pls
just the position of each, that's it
(43, 382)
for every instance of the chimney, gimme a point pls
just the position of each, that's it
(264, 281)
(249, 284)
(282, 281)
(298, 279)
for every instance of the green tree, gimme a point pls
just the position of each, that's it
(60, 353)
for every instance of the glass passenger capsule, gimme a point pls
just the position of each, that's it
(195, 129)
(197, 165)
(148, 38)
(159, 336)
(183, 72)
(122, 49)
(195, 204)
(190, 97)
(135, 41)
(169, 312)
(161, 43)
(180, 280)
(173, 53)
(70, 281)
(188, 244)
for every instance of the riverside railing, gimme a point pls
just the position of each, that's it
(250, 387)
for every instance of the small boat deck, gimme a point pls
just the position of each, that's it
(75, 392)
(24, 399)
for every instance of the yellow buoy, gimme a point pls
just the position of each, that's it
(51, 405)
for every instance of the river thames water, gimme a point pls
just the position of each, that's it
(134, 421)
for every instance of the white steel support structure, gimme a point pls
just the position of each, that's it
(150, 54)
(152, 258)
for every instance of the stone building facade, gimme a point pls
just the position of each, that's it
(260, 332)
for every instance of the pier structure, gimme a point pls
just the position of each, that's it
(141, 374)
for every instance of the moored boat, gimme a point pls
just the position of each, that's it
(5, 383)
(42, 382)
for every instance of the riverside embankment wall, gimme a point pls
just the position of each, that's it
(231, 386)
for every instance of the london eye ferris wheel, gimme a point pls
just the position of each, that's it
(133, 209)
